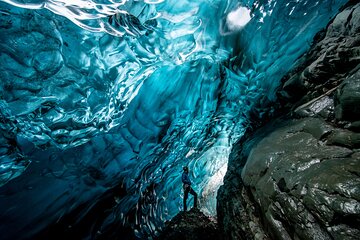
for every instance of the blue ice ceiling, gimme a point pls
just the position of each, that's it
(98, 94)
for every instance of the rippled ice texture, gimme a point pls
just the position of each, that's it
(98, 94)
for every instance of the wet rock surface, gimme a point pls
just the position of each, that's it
(298, 177)
(307, 188)
(347, 104)
(333, 56)
(191, 225)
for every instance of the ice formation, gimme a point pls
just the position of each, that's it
(96, 94)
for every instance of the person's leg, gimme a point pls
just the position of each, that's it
(186, 192)
(192, 192)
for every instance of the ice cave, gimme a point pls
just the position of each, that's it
(103, 102)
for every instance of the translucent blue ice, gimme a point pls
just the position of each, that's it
(100, 93)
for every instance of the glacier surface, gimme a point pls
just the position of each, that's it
(100, 94)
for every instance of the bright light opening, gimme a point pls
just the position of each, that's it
(238, 18)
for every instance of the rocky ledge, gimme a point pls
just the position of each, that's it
(191, 225)
(298, 176)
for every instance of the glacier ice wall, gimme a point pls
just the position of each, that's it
(101, 94)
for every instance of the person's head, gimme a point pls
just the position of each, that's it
(186, 169)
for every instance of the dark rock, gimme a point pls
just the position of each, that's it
(334, 53)
(318, 128)
(303, 188)
(295, 86)
(344, 138)
(354, 126)
(191, 225)
(238, 213)
(347, 104)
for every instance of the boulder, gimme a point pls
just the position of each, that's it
(191, 225)
(305, 189)
(347, 104)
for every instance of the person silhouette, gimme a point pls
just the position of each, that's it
(187, 187)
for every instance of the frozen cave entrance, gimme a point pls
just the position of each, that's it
(104, 95)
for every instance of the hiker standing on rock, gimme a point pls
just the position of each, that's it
(187, 187)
